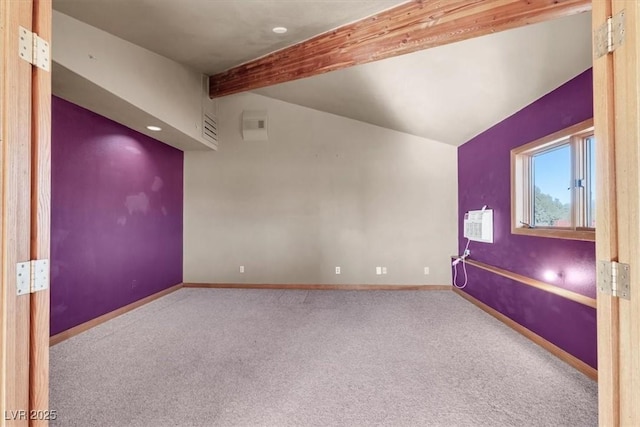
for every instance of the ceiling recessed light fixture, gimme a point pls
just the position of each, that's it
(154, 128)
(279, 30)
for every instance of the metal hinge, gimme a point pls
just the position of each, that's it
(33, 49)
(32, 276)
(614, 279)
(609, 35)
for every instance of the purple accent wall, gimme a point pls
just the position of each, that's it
(116, 220)
(484, 179)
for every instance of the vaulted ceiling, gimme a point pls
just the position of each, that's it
(213, 35)
(449, 93)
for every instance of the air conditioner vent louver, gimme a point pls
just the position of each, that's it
(210, 128)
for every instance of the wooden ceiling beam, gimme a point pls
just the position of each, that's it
(409, 27)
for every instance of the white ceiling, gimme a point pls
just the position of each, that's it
(454, 92)
(213, 35)
(449, 94)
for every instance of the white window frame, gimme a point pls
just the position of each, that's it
(522, 188)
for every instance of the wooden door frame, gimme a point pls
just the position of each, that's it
(617, 124)
(615, 86)
(16, 213)
(40, 222)
(25, 162)
(606, 230)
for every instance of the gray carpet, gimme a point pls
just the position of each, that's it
(218, 357)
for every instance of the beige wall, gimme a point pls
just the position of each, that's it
(142, 80)
(324, 191)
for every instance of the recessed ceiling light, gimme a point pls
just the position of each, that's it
(279, 30)
(154, 128)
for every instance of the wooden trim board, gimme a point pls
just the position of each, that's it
(15, 201)
(40, 219)
(320, 287)
(564, 293)
(558, 233)
(548, 140)
(626, 113)
(65, 335)
(406, 28)
(537, 339)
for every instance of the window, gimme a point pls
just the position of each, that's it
(553, 185)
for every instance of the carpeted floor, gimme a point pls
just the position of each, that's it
(217, 357)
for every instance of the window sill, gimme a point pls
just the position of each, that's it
(586, 235)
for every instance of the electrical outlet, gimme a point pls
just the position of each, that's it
(242, 269)
(384, 270)
(378, 270)
(337, 270)
(426, 271)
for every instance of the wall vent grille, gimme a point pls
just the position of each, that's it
(210, 128)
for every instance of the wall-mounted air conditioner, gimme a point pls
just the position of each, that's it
(478, 225)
